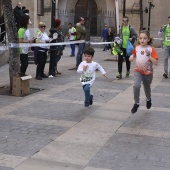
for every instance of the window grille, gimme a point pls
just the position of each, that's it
(40, 7)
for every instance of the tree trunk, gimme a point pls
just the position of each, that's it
(14, 60)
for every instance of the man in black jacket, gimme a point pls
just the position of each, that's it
(17, 14)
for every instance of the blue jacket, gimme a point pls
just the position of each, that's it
(104, 33)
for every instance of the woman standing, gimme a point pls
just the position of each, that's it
(109, 38)
(56, 51)
(24, 37)
(41, 37)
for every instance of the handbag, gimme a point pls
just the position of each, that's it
(129, 48)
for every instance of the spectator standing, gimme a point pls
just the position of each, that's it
(81, 35)
(110, 38)
(127, 32)
(72, 36)
(24, 37)
(104, 35)
(41, 37)
(17, 14)
(23, 8)
(166, 30)
(26, 12)
(56, 51)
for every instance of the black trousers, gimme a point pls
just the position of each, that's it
(24, 63)
(41, 60)
(120, 61)
(54, 59)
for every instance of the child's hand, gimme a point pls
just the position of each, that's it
(85, 67)
(147, 52)
(131, 58)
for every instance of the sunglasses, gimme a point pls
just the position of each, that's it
(43, 26)
(168, 20)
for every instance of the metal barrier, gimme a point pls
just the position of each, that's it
(3, 33)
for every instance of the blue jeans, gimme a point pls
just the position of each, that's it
(105, 46)
(72, 49)
(80, 53)
(86, 89)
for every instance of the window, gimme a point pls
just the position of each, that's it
(40, 7)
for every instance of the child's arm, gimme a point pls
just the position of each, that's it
(100, 68)
(131, 58)
(153, 60)
(80, 68)
(152, 57)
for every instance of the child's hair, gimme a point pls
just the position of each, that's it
(89, 51)
(148, 35)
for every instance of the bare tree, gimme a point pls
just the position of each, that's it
(14, 60)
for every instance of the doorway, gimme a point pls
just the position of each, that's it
(81, 9)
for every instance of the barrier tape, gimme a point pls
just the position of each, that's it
(17, 45)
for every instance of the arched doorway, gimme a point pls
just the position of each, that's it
(81, 9)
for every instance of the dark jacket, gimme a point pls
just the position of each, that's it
(110, 37)
(58, 49)
(81, 32)
(17, 14)
(104, 32)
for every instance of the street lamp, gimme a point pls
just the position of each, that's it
(151, 5)
(124, 7)
(53, 13)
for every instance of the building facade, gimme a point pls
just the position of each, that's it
(96, 12)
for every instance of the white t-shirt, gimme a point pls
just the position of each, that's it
(72, 30)
(43, 38)
(88, 76)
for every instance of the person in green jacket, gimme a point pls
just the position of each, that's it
(72, 36)
(81, 35)
(166, 30)
(127, 33)
(24, 37)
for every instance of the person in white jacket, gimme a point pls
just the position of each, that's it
(88, 69)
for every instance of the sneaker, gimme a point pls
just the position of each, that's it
(165, 75)
(72, 55)
(127, 74)
(86, 104)
(135, 108)
(119, 76)
(91, 99)
(148, 104)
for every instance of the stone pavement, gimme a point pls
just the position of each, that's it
(51, 129)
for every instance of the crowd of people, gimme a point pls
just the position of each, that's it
(144, 53)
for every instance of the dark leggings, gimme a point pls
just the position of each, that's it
(24, 63)
(120, 61)
(41, 60)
